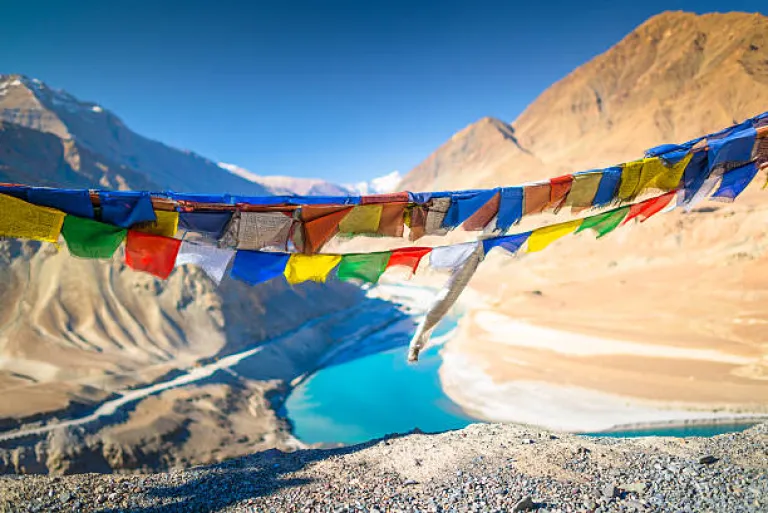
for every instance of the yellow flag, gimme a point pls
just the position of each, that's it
(167, 224)
(302, 268)
(361, 219)
(657, 175)
(22, 220)
(543, 237)
(630, 178)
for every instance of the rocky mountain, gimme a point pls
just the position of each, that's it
(675, 77)
(85, 135)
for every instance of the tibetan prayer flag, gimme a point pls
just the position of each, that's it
(126, 209)
(87, 238)
(22, 220)
(321, 222)
(392, 222)
(416, 219)
(647, 208)
(166, 224)
(559, 188)
(366, 267)
(510, 207)
(536, 198)
(362, 219)
(436, 212)
(17, 191)
(604, 223)
(153, 254)
(543, 237)
(606, 191)
(656, 174)
(484, 215)
(583, 190)
(511, 243)
(409, 257)
(734, 148)
(257, 230)
(735, 181)
(630, 179)
(301, 268)
(451, 257)
(256, 267)
(464, 205)
(694, 175)
(212, 260)
(70, 201)
(210, 225)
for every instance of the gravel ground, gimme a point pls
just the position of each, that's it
(481, 468)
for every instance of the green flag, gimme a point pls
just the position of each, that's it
(91, 239)
(363, 267)
(604, 223)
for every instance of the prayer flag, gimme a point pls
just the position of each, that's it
(256, 267)
(362, 219)
(153, 254)
(536, 198)
(606, 191)
(510, 207)
(630, 179)
(416, 218)
(87, 238)
(694, 175)
(394, 197)
(70, 201)
(392, 222)
(436, 211)
(736, 147)
(484, 215)
(511, 243)
(257, 230)
(656, 174)
(166, 224)
(212, 260)
(301, 268)
(559, 188)
(464, 205)
(17, 191)
(647, 208)
(210, 225)
(321, 222)
(366, 267)
(543, 237)
(409, 257)
(604, 223)
(23, 220)
(126, 209)
(583, 190)
(450, 257)
(735, 181)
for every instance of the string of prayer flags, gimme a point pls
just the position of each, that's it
(735, 181)
(543, 237)
(212, 260)
(510, 243)
(510, 207)
(126, 209)
(367, 267)
(408, 257)
(70, 201)
(583, 190)
(301, 268)
(153, 254)
(645, 209)
(256, 267)
(87, 238)
(604, 223)
(166, 224)
(22, 220)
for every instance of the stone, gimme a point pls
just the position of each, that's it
(65, 496)
(611, 491)
(638, 487)
(525, 504)
(707, 460)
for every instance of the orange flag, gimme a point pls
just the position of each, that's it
(321, 222)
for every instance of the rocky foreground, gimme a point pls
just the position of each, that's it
(480, 468)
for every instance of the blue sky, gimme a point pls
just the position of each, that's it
(340, 90)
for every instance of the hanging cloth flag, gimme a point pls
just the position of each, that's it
(152, 254)
(583, 190)
(409, 257)
(257, 230)
(484, 215)
(604, 223)
(451, 257)
(70, 201)
(510, 207)
(543, 237)
(22, 220)
(416, 219)
(436, 212)
(256, 267)
(392, 222)
(464, 205)
(362, 219)
(630, 179)
(366, 267)
(212, 260)
(17, 191)
(511, 243)
(647, 208)
(166, 224)
(559, 188)
(536, 198)
(462, 273)
(87, 238)
(301, 268)
(735, 181)
(656, 174)
(126, 209)
(734, 148)
(321, 222)
(696, 173)
(609, 184)
(210, 225)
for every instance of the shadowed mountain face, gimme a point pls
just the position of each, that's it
(675, 77)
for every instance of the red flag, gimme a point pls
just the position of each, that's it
(153, 254)
(321, 222)
(409, 257)
(647, 208)
(560, 187)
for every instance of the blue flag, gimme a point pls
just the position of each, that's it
(735, 181)
(606, 191)
(126, 209)
(509, 242)
(72, 201)
(258, 266)
(510, 207)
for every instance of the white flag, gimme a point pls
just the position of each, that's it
(213, 260)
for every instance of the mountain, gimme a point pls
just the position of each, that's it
(288, 185)
(85, 131)
(677, 76)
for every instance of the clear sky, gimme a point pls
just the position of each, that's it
(343, 90)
